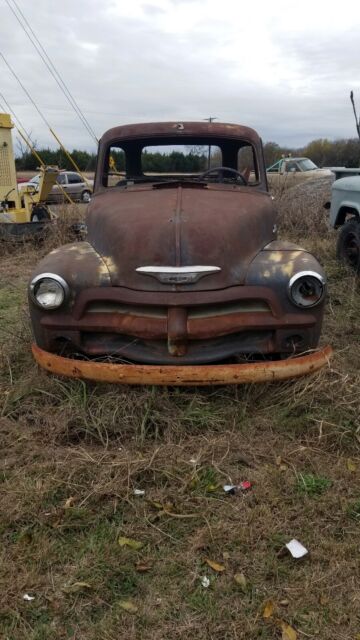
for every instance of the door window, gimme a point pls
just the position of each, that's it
(74, 178)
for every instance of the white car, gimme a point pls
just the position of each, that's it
(71, 183)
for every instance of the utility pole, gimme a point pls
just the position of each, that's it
(355, 114)
(210, 119)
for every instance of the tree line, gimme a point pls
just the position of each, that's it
(323, 152)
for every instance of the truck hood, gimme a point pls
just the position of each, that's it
(350, 183)
(177, 226)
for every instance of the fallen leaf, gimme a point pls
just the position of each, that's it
(168, 506)
(76, 586)
(143, 566)
(269, 609)
(69, 502)
(155, 504)
(129, 542)
(210, 488)
(288, 633)
(240, 580)
(128, 606)
(325, 600)
(350, 465)
(215, 565)
(226, 555)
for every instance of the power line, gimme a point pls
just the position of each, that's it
(25, 90)
(14, 116)
(42, 116)
(51, 68)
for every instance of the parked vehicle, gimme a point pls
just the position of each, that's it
(72, 183)
(345, 216)
(295, 170)
(182, 279)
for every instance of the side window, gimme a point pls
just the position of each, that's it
(61, 179)
(292, 166)
(74, 178)
(114, 173)
(247, 164)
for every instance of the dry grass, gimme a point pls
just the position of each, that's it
(73, 453)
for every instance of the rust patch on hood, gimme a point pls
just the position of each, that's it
(174, 226)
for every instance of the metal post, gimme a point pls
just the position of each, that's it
(355, 114)
(210, 119)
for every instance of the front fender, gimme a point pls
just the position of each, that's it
(79, 264)
(277, 263)
(339, 209)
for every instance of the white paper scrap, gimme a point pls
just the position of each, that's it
(296, 549)
(205, 581)
(139, 492)
(28, 598)
(229, 487)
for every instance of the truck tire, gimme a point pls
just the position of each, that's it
(348, 244)
(40, 213)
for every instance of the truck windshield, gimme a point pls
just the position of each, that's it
(209, 161)
(307, 165)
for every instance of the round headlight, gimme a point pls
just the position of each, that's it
(49, 290)
(306, 289)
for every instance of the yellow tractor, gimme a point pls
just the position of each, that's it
(22, 214)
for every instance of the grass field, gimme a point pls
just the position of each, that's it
(103, 563)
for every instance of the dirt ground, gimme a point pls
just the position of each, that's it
(84, 557)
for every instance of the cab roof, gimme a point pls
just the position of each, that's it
(181, 129)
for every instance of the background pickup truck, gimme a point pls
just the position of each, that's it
(294, 170)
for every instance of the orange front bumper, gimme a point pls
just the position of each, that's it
(183, 375)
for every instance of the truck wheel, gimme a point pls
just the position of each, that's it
(348, 244)
(39, 214)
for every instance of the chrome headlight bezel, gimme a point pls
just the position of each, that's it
(60, 282)
(303, 274)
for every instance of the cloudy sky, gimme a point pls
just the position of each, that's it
(285, 68)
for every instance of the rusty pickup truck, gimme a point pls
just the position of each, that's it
(181, 280)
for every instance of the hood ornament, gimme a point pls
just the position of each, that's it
(178, 275)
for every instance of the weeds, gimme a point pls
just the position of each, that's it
(354, 510)
(312, 485)
(73, 454)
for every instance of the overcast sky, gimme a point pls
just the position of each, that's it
(285, 68)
